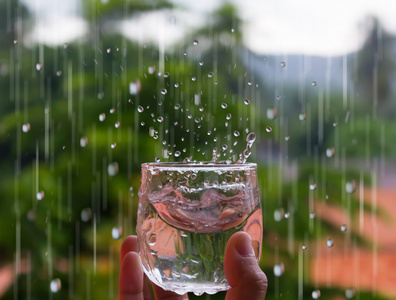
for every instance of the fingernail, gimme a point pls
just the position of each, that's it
(244, 245)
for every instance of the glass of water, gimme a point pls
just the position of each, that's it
(187, 213)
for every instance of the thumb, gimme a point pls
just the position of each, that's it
(242, 271)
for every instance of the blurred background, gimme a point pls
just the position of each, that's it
(90, 89)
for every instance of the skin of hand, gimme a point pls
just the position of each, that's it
(242, 271)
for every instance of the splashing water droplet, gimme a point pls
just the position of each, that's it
(140, 108)
(40, 195)
(164, 91)
(112, 169)
(283, 64)
(236, 133)
(166, 74)
(224, 105)
(160, 119)
(316, 294)
(314, 83)
(102, 117)
(302, 116)
(195, 42)
(55, 285)
(228, 116)
(330, 243)
(350, 187)
(39, 66)
(268, 129)
(279, 269)
(116, 232)
(279, 214)
(350, 293)
(210, 74)
(246, 101)
(84, 141)
(343, 227)
(26, 127)
(287, 138)
(113, 145)
(312, 187)
(157, 159)
(177, 153)
(86, 214)
(193, 78)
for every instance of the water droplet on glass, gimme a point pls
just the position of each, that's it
(195, 42)
(279, 269)
(140, 108)
(112, 169)
(350, 187)
(224, 105)
(39, 66)
(86, 214)
(236, 133)
(330, 152)
(228, 116)
(302, 116)
(116, 232)
(283, 64)
(314, 83)
(40, 195)
(246, 101)
(272, 113)
(316, 294)
(26, 127)
(84, 141)
(268, 129)
(330, 243)
(55, 285)
(279, 214)
(312, 187)
(102, 117)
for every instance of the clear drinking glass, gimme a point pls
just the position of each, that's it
(187, 213)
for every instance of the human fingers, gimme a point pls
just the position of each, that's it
(129, 272)
(161, 294)
(242, 271)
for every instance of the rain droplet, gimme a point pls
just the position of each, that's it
(102, 117)
(228, 116)
(350, 187)
(312, 187)
(279, 269)
(330, 152)
(330, 243)
(164, 91)
(195, 42)
(160, 119)
(86, 214)
(302, 116)
(224, 105)
(40, 195)
(140, 108)
(250, 139)
(112, 169)
(272, 113)
(283, 64)
(116, 232)
(236, 133)
(26, 127)
(268, 129)
(314, 83)
(55, 285)
(177, 153)
(246, 101)
(279, 214)
(84, 141)
(316, 294)
(39, 66)
(343, 228)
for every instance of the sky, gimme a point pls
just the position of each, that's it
(311, 27)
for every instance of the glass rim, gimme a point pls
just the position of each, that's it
(201, 165)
